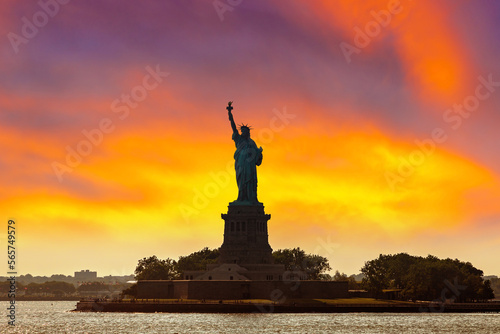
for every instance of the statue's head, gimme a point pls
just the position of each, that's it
(245, 131)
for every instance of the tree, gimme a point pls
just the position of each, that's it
(495, 285)
(427, 280)
(152, 268)
(338, 277)
(352, 284)
(297, 260)
(130, 291)
(198, 260)
(52, 287)
(33, 288)
(60, 287)
(486, 292)
(376, 275)
(5, 286)
(93, 286)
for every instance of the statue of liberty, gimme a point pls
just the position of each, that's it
(246, 159)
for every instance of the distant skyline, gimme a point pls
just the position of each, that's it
(378, 122)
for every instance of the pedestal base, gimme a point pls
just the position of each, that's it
(245, 253)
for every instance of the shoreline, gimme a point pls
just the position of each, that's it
(151, 306)
(41, 299)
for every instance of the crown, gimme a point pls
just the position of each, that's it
(245, 126)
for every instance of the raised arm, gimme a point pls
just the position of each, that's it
(231, 119)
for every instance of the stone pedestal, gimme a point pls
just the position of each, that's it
(245, 236)
(245, 253)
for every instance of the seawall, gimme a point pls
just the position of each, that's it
(246, 307)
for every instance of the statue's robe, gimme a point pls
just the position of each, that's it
(246, 159)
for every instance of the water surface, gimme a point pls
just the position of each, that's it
(55, 317)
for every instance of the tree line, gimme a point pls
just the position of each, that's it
(151, 268)
(53, 287)
(414, 277)
(426, 278)
(58, 288)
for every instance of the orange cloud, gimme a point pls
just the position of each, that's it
(435, 61)
(150, 186)
(346, 172)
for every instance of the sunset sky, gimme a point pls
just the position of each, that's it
(379, 122)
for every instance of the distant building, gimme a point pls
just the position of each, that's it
(85, 275)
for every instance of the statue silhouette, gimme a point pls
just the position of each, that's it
(246, 159)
